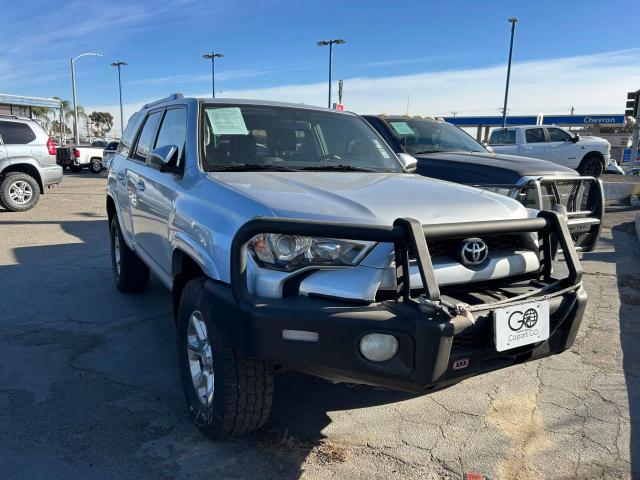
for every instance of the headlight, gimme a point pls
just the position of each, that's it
(293, 252)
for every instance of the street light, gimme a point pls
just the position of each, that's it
(76, 136)
(119, 64)
(324, 43)
(212, 56)
(513, 22)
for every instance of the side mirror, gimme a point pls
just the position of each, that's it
(408, 162)
(165, 157)
(489, 148)
(575, 138)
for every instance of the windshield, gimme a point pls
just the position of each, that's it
(250, 137)
(429, 136)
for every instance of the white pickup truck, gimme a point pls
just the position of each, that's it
(81, 156)
(587, 155)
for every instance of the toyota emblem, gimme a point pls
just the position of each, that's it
(473, 251)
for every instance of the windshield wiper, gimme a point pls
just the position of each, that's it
(249, 167)
(339, 168)
(430, 151)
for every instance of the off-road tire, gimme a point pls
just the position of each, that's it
(95, 166)
(6, 181)
(591, 166)
(133, 274)
(243, 387)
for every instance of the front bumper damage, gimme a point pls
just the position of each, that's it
(433, 352)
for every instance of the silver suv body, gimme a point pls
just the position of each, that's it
(27, 163)
(293, 236)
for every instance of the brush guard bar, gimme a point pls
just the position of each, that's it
(409, 237)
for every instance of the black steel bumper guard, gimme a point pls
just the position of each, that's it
(428, 356)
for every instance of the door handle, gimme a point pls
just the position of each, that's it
(140, 186)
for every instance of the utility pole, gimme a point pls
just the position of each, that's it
(513, 22)
(76, 131)
(330, 43)
(119, 64)
(212, 56)
(573, 109)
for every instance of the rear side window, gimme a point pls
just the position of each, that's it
(14, 133)
(503, 137)
(129, 134)
(534, 135)
(173, 130)
(148, 136)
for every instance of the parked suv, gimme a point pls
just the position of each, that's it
(447, 152)
(294, 237)
(27, 163)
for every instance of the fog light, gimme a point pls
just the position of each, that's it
(378, 347)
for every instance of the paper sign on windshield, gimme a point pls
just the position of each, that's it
(402, 128)
(227, 121)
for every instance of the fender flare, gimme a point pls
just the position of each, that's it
(185, 245)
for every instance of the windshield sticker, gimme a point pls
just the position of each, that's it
(227, 121)
(402, 128)
(381, 149)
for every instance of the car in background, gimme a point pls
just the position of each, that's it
(108, 153)
(588, 155)
(447, 152)
(635, 172)
(99, 143)
(78, 157)
(613, 168)
(27, 163)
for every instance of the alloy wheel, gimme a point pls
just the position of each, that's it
(200, 356)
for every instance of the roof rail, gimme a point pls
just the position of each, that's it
(173, 96)
(7, 115)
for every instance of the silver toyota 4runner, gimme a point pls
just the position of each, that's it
(293, 237)
(27, 163)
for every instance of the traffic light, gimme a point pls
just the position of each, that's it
(633, 100)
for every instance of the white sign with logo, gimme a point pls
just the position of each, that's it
(520, 325)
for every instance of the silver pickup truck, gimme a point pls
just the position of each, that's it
(293, 237)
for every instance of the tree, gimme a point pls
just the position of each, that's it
(54, 129)
(102, 122)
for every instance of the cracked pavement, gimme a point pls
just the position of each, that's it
(89, 386)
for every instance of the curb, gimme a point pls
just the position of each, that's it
(620, 190)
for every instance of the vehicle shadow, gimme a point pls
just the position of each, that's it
(627, 262)
(95, 373)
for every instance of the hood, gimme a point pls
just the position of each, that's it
(485, 168)
(593, 140)
(375, 198)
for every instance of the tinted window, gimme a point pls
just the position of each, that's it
(148, 135)
(428, 136)
(534, 135)
(111, 146)
(99, 143)
(173, 130)
(129, 134)
(16, 133)
(503, 137)
(558, 135)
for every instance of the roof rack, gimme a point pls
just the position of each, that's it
(173, 96)
(7, 115)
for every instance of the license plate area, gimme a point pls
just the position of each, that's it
(520, 325)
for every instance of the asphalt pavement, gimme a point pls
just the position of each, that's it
(89, 385)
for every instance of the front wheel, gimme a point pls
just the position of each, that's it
(227, 394)
(19, 192)
(591, 166)
(96, 166)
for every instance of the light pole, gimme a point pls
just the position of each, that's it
(119, 64)
(212, 56)
(513, 22)
(324, 43)
(76, 134)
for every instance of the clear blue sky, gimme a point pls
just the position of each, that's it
(270, 43)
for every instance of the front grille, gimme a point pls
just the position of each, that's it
(451, 247)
